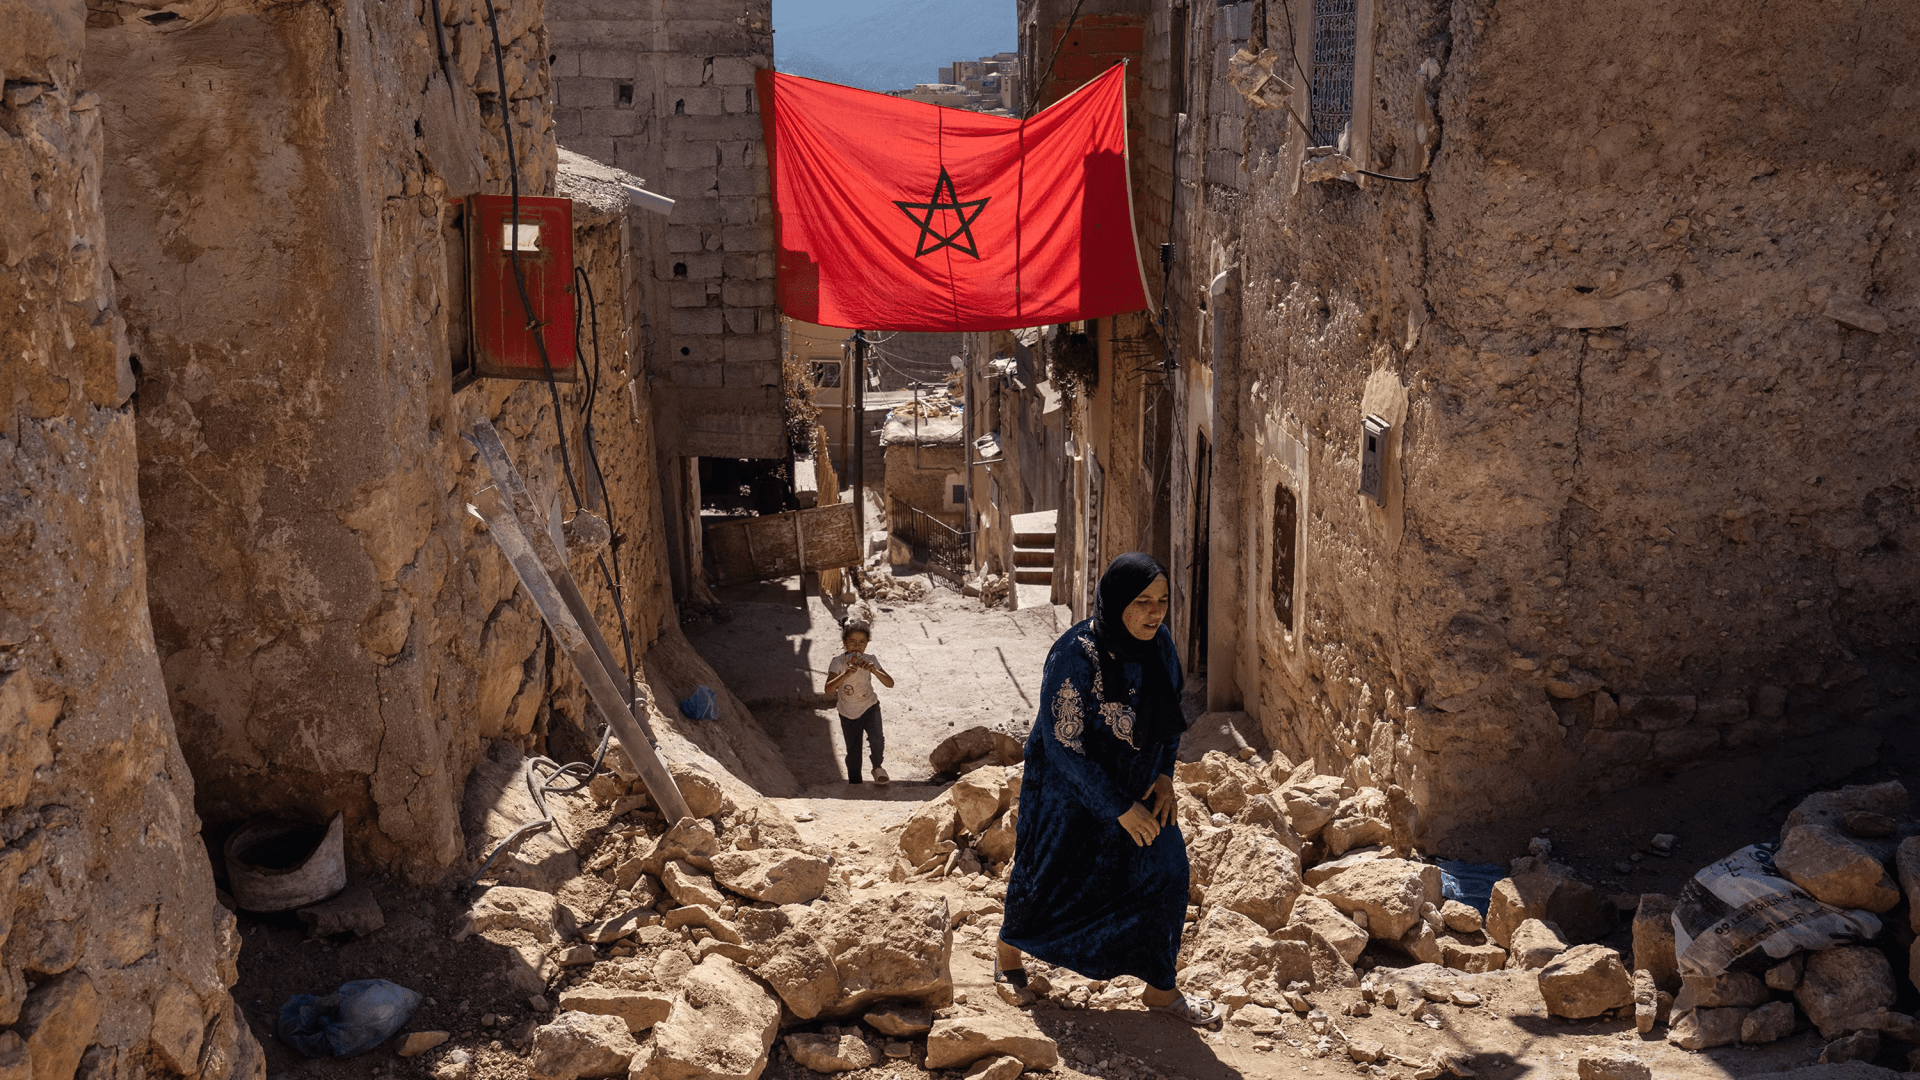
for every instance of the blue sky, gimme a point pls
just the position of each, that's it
(887, 44)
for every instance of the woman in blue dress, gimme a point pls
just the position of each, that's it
(1099, 882)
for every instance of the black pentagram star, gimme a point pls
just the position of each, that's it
(931, 238)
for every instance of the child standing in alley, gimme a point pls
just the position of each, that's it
(850, 678)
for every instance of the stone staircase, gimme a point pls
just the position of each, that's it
(1033, 536)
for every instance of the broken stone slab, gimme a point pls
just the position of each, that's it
(1001, 1067)
(1612, 1065)
(1842, 983)
(1321, 871)
(701, 915)
(1771, 1022)
(979, 797)
(1547, 891)
(963, 1040)
(581, 1045)
(608, 931)
(416, 1043)
(1422, 944)
(801, 972)
(1649, 1008)
(739, 954)
(1390, 892)
(506, 908)
(928, 828)
(638, 1009)
(1653, 945)
(1735, 989)
(1359, 820)
(1534, 945)
(354, 912)
(1326, 968)
(900, 1021)
(974, 744)
(831, 1053)
(687, 885)
(772, 876)
(1257, 876)
(1834, 870)
(997, 843)
(1703, 1029)
(1585, 981)
(893, 947)
(1341, 932)
(720, 1029)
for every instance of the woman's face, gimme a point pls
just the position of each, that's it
(1143, 617)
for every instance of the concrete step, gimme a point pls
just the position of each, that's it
(1039, 557)
(1036, 529)
(1026, 575)
(1033, 540)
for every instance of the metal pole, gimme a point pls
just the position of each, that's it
(858, 452)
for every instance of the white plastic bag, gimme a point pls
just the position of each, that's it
(1741, 914)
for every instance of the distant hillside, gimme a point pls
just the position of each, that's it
(888, 44)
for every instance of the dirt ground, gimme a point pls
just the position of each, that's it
(958, 664)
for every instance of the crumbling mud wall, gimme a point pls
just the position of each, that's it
(337, 633)
(1642, 329)
(115, 958)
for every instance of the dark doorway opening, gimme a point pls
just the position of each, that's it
(1201, 566)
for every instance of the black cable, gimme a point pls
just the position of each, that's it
(612, 576)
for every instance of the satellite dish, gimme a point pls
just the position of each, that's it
(956, 362)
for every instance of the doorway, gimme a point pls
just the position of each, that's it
(1201, 565)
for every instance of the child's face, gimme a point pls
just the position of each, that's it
(856, 642)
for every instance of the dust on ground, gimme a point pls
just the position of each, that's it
(958, 664)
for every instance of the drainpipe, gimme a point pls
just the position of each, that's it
(1224, 578)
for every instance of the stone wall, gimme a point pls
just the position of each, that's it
(115, 958)
(337, 633)
(665, 90)
(1641, 329)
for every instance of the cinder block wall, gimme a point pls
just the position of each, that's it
(665, 90)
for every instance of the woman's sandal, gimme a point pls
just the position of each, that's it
(1014, 977)
(1200, 1012)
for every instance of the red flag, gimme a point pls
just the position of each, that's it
(899, 215)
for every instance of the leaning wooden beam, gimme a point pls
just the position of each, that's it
(490, 506)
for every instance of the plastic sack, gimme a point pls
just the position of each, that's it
(1742, 914)
(352, 1020)
(701, 705)
(1470, 883)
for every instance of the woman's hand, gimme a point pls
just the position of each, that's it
(1163, 799)
(1140, 824)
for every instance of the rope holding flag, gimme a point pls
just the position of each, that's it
(898, 215)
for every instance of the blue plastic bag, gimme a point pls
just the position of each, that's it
(702, 705)
(1470, 883)
(352, 1020)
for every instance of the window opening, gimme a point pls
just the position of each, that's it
(1334, 25)
(1286, 512)
(626, 93)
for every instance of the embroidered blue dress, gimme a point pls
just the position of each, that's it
(1083, 895)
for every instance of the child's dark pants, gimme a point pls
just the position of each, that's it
(868, 722)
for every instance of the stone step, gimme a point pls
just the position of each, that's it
(1040, 557)
(1034, 540)
(1027, 575)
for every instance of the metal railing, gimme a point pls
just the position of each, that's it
(933, 542)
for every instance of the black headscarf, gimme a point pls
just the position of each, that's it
(1158, 707)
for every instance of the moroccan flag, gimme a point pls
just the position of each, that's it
(899, 215)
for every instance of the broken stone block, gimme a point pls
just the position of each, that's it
(900, 1021)
(801, 972)
(1653, 947)
(688, 885)
(1868, 825)
(1365, 1051)
(419, 1042)
(888, 947)
(1702, 1029)
(1585, 981)
(1390, 892)
(1549, 892)
(721, 1029)
(963, 1040)
(1321, 871)
(1612, 1065)
(1346, 938)
(928, 828)
(974, 744)
(580, 1045)
(1830, 808)
(831, 1053)
(1327, 969)
(1461, 918)
(1844, 982)
(979, 797)
(1770, 1022)
(1471, 957)
(1907, 862)
(692, 840)
(1256, 1016)
(1785, 975)
(772, 876)
(638, 1009)
(1646, 1003)
(352, 912)
(505, 908)
(1311, 803)
(1257, 876)
(703, 916)
(1859, 1046)
(702, 793)
(1002, 1067)
(1421, 943)
(1834, 870)
(997, 843)
(1735, 989)
(1534, 945)
(1358, 820)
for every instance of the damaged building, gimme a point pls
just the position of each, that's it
(1524, 389)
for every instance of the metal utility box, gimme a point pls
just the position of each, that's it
(1373, 458)
(500, 343)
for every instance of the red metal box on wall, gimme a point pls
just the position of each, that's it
(504, 344)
